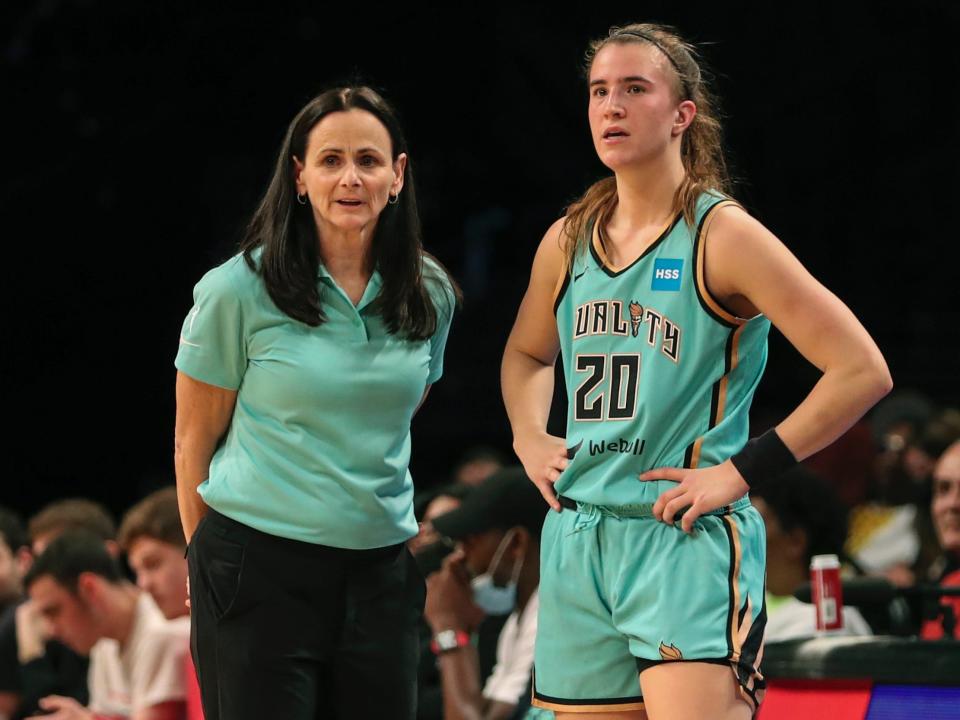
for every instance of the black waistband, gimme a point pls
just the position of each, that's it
(224, 525)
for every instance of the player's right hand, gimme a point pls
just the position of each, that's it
(543, 457)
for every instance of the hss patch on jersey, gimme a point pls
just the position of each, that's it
(667, 273)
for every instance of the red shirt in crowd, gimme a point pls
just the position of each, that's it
(933, 629)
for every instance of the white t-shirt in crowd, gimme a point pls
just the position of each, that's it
(147, 670)
(788, 618)
(511, 675)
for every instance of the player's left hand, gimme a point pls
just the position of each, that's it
(700, 491)
(58, 707)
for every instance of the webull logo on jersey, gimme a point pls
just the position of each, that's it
(627, 447)
(667, 274)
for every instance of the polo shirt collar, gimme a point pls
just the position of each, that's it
(369, 294)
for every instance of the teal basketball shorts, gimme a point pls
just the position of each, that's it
(621, 592)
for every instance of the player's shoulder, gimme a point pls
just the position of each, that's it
(554, 239)
(732, 227)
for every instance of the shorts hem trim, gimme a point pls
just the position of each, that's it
(587, 706)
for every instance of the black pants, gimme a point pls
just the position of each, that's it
(292, 630)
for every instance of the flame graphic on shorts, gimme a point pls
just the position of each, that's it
(636, 317)
(670, 652)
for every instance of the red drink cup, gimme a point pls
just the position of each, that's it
(827, 592)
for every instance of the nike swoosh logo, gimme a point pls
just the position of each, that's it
(187, 342)
(577, 277)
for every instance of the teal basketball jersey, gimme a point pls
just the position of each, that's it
(658, 373)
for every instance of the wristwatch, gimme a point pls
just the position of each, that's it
(447, 640)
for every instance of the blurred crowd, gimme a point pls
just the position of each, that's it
(94, 618)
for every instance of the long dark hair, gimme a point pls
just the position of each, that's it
(287, 234)
(701, 148)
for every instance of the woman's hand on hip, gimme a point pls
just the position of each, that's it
(699, 491)
(543, 457)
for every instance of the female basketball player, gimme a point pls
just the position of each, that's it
(659, 291)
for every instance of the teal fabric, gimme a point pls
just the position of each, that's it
(651, 373)
(658, 374)
(319, 445)
(616, 589)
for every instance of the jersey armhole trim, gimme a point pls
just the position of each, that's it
(713, 307)
(560, 289)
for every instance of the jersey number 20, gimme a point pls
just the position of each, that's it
(617, 399)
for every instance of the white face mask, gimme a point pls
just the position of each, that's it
(491, 599)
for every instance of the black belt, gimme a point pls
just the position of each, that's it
(568, 503)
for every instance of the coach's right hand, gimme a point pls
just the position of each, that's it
(543, 457)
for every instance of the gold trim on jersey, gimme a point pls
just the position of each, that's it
(598, 242)
(718, 408)
(700, 260)
(734, 358)
(735, 638)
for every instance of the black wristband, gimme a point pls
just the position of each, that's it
(763, 458)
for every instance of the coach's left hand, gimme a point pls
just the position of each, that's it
(700, 491)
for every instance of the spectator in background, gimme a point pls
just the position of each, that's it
(71, 514)
(495, 570)
(152, 537)
(803, 518)
(847, 464)
(14, 558)
(427, 508)
(890, 536)
(429, 550)
(32, 665)
(476, 465)
(945, 509)
(136, 655)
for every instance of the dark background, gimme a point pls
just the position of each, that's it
(139, 136)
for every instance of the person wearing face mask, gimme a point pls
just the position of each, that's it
(495, 570)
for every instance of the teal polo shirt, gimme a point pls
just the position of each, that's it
(319, 445)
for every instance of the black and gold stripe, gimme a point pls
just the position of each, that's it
(733, 579)
(591, 705)
(718, 396)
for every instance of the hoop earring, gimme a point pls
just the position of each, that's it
(301, 199)
(394, 199)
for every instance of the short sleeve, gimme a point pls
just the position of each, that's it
(212, 340)
(445, 303)
(158, 671)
